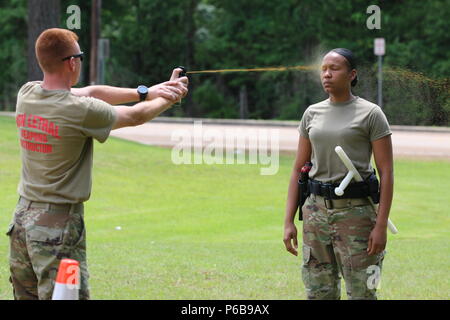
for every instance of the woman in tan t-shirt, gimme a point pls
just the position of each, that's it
(341, 237)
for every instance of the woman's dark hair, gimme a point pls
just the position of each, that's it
(351, 59)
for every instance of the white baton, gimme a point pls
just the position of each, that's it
(353, 173)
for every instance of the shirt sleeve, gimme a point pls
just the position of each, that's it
(303, 127)
(378, 124)
(99, 119)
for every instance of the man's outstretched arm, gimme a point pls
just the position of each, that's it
(147, 110)
(115, 95)
(109, 94)
(140, 113)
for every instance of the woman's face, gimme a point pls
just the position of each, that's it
(335, 75)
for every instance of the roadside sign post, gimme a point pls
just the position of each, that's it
(379, 50)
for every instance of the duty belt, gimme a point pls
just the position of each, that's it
(326, 190)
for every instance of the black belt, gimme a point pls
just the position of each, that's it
(326, 190)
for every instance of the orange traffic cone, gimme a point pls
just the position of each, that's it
(67, 281)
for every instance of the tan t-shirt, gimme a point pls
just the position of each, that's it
(353, 125)
(55, 131)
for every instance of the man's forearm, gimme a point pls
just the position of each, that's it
(147, 110)
(113, 95)
(140, 113)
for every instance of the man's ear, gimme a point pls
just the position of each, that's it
(72, 64)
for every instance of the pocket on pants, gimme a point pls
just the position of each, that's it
(10, 229)
(306, 254)
(75, 232)
(45, 235)
(305, 266)
(362, 260)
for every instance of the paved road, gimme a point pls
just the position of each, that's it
(409, 144)
(419, 142)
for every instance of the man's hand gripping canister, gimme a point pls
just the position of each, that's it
(182, 74)
(354, 174)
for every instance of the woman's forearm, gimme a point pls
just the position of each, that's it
(386, 194)
(292, 199)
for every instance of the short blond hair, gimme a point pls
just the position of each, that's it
(52, 46)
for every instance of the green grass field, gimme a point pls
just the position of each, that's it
(215, 232)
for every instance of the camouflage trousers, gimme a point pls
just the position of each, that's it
(334, 245)
(40, 236)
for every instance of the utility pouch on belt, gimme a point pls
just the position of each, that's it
(303, 190)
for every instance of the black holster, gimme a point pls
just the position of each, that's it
(374, 187)
(303, 194)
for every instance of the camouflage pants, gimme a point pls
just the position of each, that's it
(40, 236)
(334, 244)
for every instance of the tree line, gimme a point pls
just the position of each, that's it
(148, 38)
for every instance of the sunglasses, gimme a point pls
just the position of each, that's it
(80, 55)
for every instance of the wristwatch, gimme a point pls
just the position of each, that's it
(143, 92)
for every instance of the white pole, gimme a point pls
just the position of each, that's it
(379, 49)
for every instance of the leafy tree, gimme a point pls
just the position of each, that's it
(12, 50)
(41, 15)
(148, 38)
